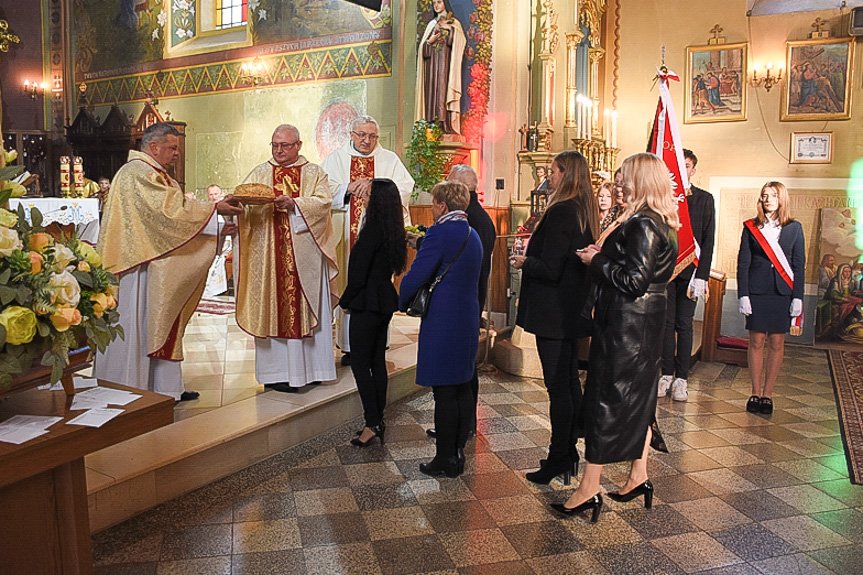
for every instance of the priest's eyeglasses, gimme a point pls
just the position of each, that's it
(284, 145)
(364, 136)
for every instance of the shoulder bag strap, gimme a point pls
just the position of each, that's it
(440, 276)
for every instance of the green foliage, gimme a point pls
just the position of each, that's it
(425, 162)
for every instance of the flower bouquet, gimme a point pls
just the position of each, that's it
(54, 297)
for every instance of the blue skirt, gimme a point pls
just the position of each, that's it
(771, 313)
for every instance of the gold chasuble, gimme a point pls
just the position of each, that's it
(279, 254)
(148, 220)
(361, 167)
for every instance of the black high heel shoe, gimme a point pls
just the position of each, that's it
(551, 469)
(645, 489)
(594, 503)
(448, 466)
(382, 425)
(379, 433)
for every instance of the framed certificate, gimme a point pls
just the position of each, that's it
(811, 148)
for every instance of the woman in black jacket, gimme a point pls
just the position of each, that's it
(370, 296)
(631, 274)
(554, 287)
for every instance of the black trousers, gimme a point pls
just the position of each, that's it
(677, 340)
(368, 337)
(454, 410)
(559, 358)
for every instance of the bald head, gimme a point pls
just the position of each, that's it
(463, 174)
(287, 129)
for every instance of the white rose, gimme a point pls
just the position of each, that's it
(63, 256)
(9, 241)
(65, 289)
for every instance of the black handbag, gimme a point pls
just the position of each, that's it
(419, 304)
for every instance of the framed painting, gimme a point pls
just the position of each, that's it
(818, 82)
(811, 148)
(715, 83)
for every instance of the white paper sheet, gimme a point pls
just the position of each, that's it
(18, 436)
(95, 417)
(109, 396)
(79, 403)
(84, 382)
(20, 428)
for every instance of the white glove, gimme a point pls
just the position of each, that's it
(796, 307)
(745, 305)
(697, 288)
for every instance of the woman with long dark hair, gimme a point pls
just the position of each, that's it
(379, 253)
(631, 273)
(554, 287)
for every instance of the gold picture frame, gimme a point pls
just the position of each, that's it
(811, 148)
(818, 80)
(715, 88)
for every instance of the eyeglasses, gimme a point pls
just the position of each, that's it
(364, 136)
(285, 145)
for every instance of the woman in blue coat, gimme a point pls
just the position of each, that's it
(449, 334)
(770, 268)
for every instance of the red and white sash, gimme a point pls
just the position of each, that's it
(777, 257)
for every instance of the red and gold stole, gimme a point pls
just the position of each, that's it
(360, 168)
(286, 181)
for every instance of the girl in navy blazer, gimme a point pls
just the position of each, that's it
(449, 334)
(379, 253)
(770, 287)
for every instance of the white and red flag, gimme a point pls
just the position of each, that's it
(665, 143)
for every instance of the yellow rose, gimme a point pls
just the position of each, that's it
(83, 266)
(63, 256)
(65, 318)
(8, 219)
(20, 324)
(11, 155)
(9, 241)
(100, 303)
(38, 242)
(35, 262)
(65, 290)
(90, 254)
(18, 190)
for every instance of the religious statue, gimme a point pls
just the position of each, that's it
(439, 63)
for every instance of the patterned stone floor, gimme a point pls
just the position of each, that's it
(738, 494)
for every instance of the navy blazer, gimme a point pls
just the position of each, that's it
(756, 275)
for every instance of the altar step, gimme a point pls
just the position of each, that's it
(154, 468)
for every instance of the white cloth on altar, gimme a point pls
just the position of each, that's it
(300, 361)
(338, 168)
(125, 361)
(217, 277)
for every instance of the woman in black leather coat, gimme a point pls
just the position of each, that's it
(630, 273)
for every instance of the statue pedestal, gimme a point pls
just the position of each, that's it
(517, 355)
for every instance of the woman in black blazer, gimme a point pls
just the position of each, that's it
(554, 286)
(770, 300)
(370, 296)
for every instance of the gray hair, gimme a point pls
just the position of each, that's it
(158, 133)
(464, 174)
(287, 128)
(364, 120)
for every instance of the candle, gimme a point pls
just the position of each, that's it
(78, 173)
(589, 105)
(614, 128)
(606, 132)
(65, 182)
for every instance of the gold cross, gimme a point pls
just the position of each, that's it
(287, 187)
(716, 30)
(6, 37)
(818, 24)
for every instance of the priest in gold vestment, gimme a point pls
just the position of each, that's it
(351, 169)
(160, 244)
(284, 262)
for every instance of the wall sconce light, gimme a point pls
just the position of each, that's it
(32, 88)
(767, 80)
(253, 72)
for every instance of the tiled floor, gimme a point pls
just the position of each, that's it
(738, 494)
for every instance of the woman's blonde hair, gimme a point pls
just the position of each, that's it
(453, 194)
(647, 182)
(783, 213)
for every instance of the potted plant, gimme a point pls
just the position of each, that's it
(426, 162)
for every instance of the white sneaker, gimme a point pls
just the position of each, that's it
(664, 384)
(678, 390)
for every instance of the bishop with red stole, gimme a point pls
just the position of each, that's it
(351, 169)
(284, 263)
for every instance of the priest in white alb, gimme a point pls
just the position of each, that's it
(160, 244)
(351, 169)
(284, 261)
